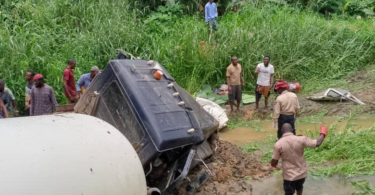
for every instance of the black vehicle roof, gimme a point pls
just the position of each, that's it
(157, 109)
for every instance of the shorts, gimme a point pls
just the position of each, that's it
(235, 93)
(292, 186)
(258, 95)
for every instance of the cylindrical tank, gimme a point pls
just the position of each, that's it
(67, 154)
(293, 86)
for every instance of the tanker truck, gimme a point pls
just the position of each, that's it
(67, 154)
(163, 125)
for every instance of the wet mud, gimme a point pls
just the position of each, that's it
(264, 128)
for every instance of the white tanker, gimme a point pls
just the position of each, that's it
(67, 154)
(143, 129)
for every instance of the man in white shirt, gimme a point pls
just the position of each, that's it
(265, 73)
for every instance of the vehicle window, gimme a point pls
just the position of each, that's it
(114, 108)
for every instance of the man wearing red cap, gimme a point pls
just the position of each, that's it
(286, 107)
(43, 99)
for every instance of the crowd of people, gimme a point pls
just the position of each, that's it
(40, 97)
(289, 147)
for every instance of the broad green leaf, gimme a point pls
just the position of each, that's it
(220, 102)
(207, 88)
(247, 99)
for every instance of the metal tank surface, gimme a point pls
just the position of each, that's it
(64, 154)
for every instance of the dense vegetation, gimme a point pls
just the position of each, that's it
(41, 35)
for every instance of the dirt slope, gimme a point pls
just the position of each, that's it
(231, 170)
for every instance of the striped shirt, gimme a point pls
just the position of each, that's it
(43, 100)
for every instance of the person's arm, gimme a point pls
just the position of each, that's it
(27, 98)
(216, 15)
(276, 110)
(4, 109)
(228, 79)
(320, 140)
(53, 99)
(228, 83)
(66, 88)
(13, 99)
(32, 102)
(14, 103)
(206, 13)
(242, 81)
(323, 134)
(271, 79)
(257, 69)
(79, 84)
(307, 142)
(275, 156)
(271, 76)
(297, 108)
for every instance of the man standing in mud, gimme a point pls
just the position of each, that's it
(265, 73)
(234, 81)
(286, 107)
(290, 149)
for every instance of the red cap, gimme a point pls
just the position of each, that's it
(38, 76)
(281, 84)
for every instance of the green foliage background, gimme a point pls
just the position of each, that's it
(41, 35)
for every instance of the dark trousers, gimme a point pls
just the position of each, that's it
(282, 120)
(292, 186)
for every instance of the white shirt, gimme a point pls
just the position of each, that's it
(264, 76)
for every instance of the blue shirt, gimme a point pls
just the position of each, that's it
(210, 11)
(84, 81)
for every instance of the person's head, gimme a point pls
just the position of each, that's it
(234, 60)
(2, 85)
(94, 71)
(286, 128)
(39, 80)
(211, 1)
(71, 63)
(29, 76)
(281, 86)
(266, 60)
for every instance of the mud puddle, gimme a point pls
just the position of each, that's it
(261, 130)
(329, 186)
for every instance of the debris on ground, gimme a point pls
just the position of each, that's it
(232, 170)
(334, 95)
(215, 110)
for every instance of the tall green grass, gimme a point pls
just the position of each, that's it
(41, 35)
(350, 153)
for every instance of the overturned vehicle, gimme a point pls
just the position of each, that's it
(166, 126)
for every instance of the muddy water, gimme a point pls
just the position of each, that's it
(261, 130)
(331, 186)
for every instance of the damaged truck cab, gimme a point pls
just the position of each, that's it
(165, 125)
